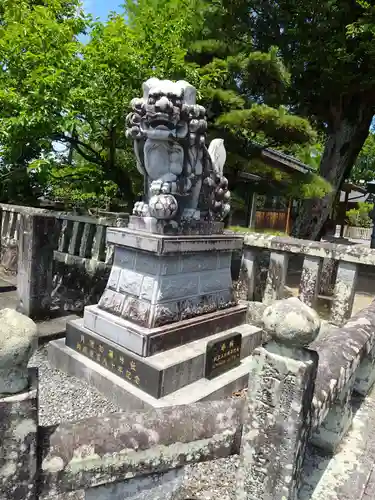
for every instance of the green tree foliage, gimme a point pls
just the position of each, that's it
(359, 217)
(366, 23)
(243, 91)
(364, 168)
(332, 77)
(55, 90)
(38, 49)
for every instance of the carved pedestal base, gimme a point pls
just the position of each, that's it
(156, 280)
(167, 299)
(189, 227)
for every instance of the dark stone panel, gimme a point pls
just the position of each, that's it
(119, 361)
(195, 328)
(223, 355)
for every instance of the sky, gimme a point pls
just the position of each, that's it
(101, 8)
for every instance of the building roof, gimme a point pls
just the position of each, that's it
(290, 164)
(284, 161)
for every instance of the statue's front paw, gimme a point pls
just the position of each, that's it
(141, 209)
(169, 188)
(155, 187)
(163, 187)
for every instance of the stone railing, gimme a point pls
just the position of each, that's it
(296, 395)
(346, 365)
(325, 265)
(61, 259)
(10, 216)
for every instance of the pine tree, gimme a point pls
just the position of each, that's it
(243, 91)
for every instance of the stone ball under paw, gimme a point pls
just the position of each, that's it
(163, 206)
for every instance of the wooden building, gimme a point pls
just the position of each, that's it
(265, 206)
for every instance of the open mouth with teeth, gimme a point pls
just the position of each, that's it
(161, 124)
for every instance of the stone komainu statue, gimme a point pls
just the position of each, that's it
(183, 179)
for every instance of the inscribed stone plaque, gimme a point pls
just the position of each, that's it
(114, 358)
(223, 355)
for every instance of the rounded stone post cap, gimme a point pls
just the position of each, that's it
(291, 322)
(18, 340)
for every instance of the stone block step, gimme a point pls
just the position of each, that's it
(160, 374)
(148, 341)
(130, 397)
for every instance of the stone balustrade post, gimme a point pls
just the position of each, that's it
(18, 408)
(278, 411)
(38, 238)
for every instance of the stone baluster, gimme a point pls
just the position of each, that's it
(38, 238)
(278, 411)
(251, 268)
(344, 292)
(310, 280)
(18, 408)
(328, 276)
(276, 277)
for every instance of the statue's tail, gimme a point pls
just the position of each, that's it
(218, 155)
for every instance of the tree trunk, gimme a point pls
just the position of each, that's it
(343, 145)
(118, 175)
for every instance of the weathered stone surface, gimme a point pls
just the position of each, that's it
(328, 276)
(291, 322)
(325, 331)
(310, 279)
(357, 254)
(18, 340)
(276, 277)
(18, 444)
(277, 420)
(121, 446)
(153, 289)
(255, 311)
(38, 239)
(330, 433)
(344, 292)
(9, 256)
(250, 268)
(76, 285)
(138, 338)
(341, 352)
(347, 473)
(365, 375)
(152, 487)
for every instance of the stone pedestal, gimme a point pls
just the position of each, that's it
(159, 280)
(166, 298)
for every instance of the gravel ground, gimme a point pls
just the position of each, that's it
(63, 398)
